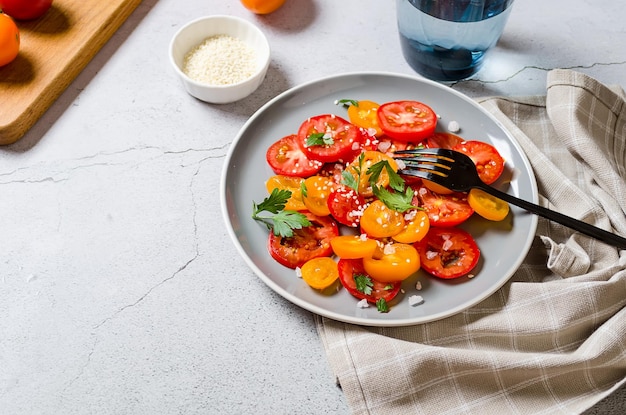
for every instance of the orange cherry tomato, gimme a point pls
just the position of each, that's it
(318, 188)
(262, 6)
(416, 227)
(290, 183)
(487, 206)
(320, 273)
(364, 115)
(380, 221)
(9, 39)
(397, 263)
(353, 246)
(370, 158)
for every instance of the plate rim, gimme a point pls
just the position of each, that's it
(359, 320)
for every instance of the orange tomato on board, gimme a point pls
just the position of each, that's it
(262, 6)
(9, 39)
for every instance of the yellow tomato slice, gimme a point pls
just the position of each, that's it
(320, 273)
(315, 199)
(437, 188)
(415, 229)
(397, 263)
(353, 246)
(487, 206)
(381, 222)
(364, 115)
(370, 158)
(288, 183)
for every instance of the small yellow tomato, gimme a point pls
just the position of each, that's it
(379, 221)
(364, 115)
(320, 273)
(318, 188)
(487, 206)
(353, 246)
(288, 183)
(415, 229)
(397, 263)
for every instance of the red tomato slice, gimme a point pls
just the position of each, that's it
(343, 138)
(349, 268)
(489, 163)
(448, 252)
(346, 206)
(285, 157)
(407, 120)
(443, 140)
(443, 209)
(306, 243)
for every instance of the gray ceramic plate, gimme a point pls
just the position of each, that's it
(503, 244)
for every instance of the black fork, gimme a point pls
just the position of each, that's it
(457, 172)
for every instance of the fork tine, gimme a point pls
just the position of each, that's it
(438, 168)
(442, 152)
(416, 173)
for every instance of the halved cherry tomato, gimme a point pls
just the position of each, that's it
(443, 140)
(363, 164)
(346, 206)
(353, 246)
(290, 183)
(398, 262)
(364, 115)
(318, 189)
(487, 206)
(285, 157)
(380, 221)
(407, 120)
(416, 227)
(443, 210)
(342, 136)
(448, 252)
(320, 273)
(351, 268)
(9, 39)
(489, 163)
(307, 243)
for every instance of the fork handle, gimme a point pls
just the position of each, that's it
(587, 229)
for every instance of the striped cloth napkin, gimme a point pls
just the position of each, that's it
(553, 339)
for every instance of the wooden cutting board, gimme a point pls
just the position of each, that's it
(53, 51)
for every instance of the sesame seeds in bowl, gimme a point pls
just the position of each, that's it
(220, 59)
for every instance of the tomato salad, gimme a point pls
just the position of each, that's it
(339, 208)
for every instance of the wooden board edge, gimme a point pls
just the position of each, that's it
(16, 129)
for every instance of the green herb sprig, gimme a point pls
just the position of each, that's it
(282, 222)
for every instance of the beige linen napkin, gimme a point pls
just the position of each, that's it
(553, 339)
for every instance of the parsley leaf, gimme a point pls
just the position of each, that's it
(382, 306)
(319, 139)
(395, 181)
(348, 178)
(398, 201)
(363, 283)
(274, 203)
(347, 102)
(281, 222)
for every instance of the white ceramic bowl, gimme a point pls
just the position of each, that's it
(195, 32)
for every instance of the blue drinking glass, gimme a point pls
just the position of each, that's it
(446, 40)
